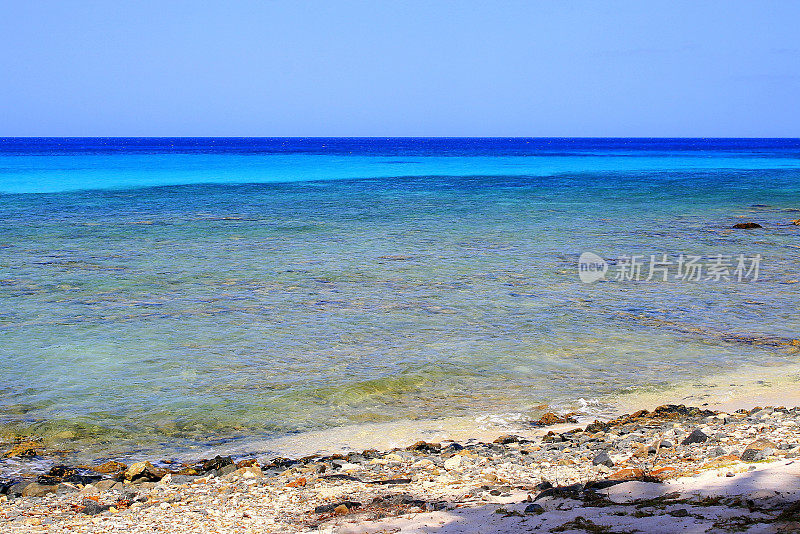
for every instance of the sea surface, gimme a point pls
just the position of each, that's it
(163, 295)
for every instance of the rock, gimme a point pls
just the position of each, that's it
(252, 471)
(627, 474)
(454, 462)
(681, 512)
(534, 508)
(716, 452)
(423, 446)
(761, 444)
(34, 489)
(227, 470)
(796, 223)
(219, 462)
(62, 471)
(144, 471)
(424, 464)
(328, 508)
(17, 488)
(105, 485)
(183, 479)
(603, 484)
(391, 481)
(505, 440)
(110, 468)
(187, 471)
(65, 487)
(603, 459)
(697, 436)
(551, 418)
(746, 225)
(573, 491)
(25, 449)
(91, 507)
(299, 482)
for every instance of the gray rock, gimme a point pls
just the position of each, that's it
(106, 484)
(751, 455)
(91, 507)
(603, 459)
(183, 479)
(65, 487)
(228, 469)
(717, 452)
(17, 489)
(534, 509)
(697, 436)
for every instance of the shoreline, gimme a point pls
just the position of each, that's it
(691, 466)
(742, 388)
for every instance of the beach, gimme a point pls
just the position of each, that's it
(675, 469)
(272, 323)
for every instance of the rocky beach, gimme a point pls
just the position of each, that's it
(672, 469)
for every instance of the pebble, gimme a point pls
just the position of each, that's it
(425, 477)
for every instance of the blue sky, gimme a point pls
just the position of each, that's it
(407, 68)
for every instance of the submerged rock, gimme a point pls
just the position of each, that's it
(25, 449)
(746, 225)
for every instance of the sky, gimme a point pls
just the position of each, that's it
(404, 68)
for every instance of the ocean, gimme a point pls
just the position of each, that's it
(161, 296)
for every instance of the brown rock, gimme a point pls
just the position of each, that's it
(424, 446)
(721, 461)
(34, 489)
(299, 482)
(144, 471)
(508, 438)
(761, 444)
(746, 225)
(551, 418)
(24, 449)
(110, 468)
(191, 471)
(341, 509)
(663, 473)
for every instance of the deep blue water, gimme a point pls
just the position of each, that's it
(160, 293)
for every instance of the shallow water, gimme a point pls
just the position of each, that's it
(144, 310)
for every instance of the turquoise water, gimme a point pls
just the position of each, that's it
(159, 295)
